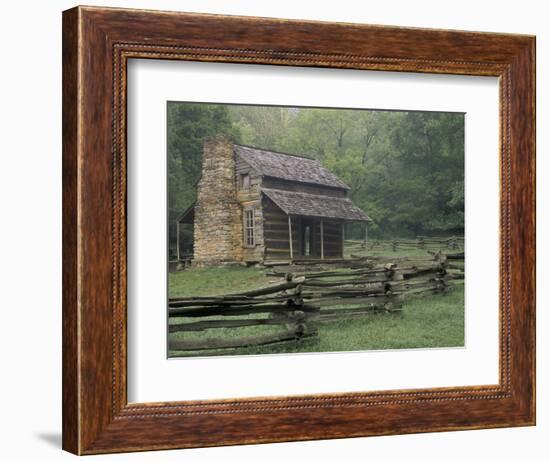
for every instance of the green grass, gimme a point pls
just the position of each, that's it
(215, 281)
(436, 321)
(356, 250)
(432, 321)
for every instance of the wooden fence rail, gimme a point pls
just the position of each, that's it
(282, 303)
(453, 242)
(309, 294)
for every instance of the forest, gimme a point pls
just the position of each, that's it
(404, 168)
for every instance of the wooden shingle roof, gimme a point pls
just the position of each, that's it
(289, 167)
(316, 206)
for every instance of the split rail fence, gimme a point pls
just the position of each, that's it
(309, 293)
(433, 243)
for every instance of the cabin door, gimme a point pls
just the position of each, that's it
(307, 238)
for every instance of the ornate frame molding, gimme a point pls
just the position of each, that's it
(97, 45)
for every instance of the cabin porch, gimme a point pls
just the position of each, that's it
(300, 226)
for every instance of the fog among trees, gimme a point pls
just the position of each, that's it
(405, 169)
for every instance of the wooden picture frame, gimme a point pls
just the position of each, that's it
(97, 43)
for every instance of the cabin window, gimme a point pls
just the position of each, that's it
(249, 228)
(244, 181)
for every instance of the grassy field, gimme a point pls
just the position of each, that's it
(356, 250)
(434, 321)
(215, 281)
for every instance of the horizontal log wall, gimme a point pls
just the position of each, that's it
(276, 233)
(332, 231)
(281, 184)
(251, 198)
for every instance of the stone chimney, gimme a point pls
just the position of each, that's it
(218, 215)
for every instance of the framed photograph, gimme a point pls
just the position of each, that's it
(282, 230)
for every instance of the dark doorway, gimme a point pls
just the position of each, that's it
(307, 238)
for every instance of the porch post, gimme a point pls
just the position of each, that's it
(322, 241)
(366, 235)
(178, 240)
(290, 236)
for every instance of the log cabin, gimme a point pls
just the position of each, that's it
(255, 205)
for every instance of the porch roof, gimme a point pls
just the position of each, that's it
(316, 206)
(187, 216)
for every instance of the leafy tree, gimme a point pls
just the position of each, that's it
(405, 169)
(263, 126)
(188, 125)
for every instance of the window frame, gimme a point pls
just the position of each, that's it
(249, 224)
(242, 178)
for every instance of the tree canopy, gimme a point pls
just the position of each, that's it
(405, 169)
